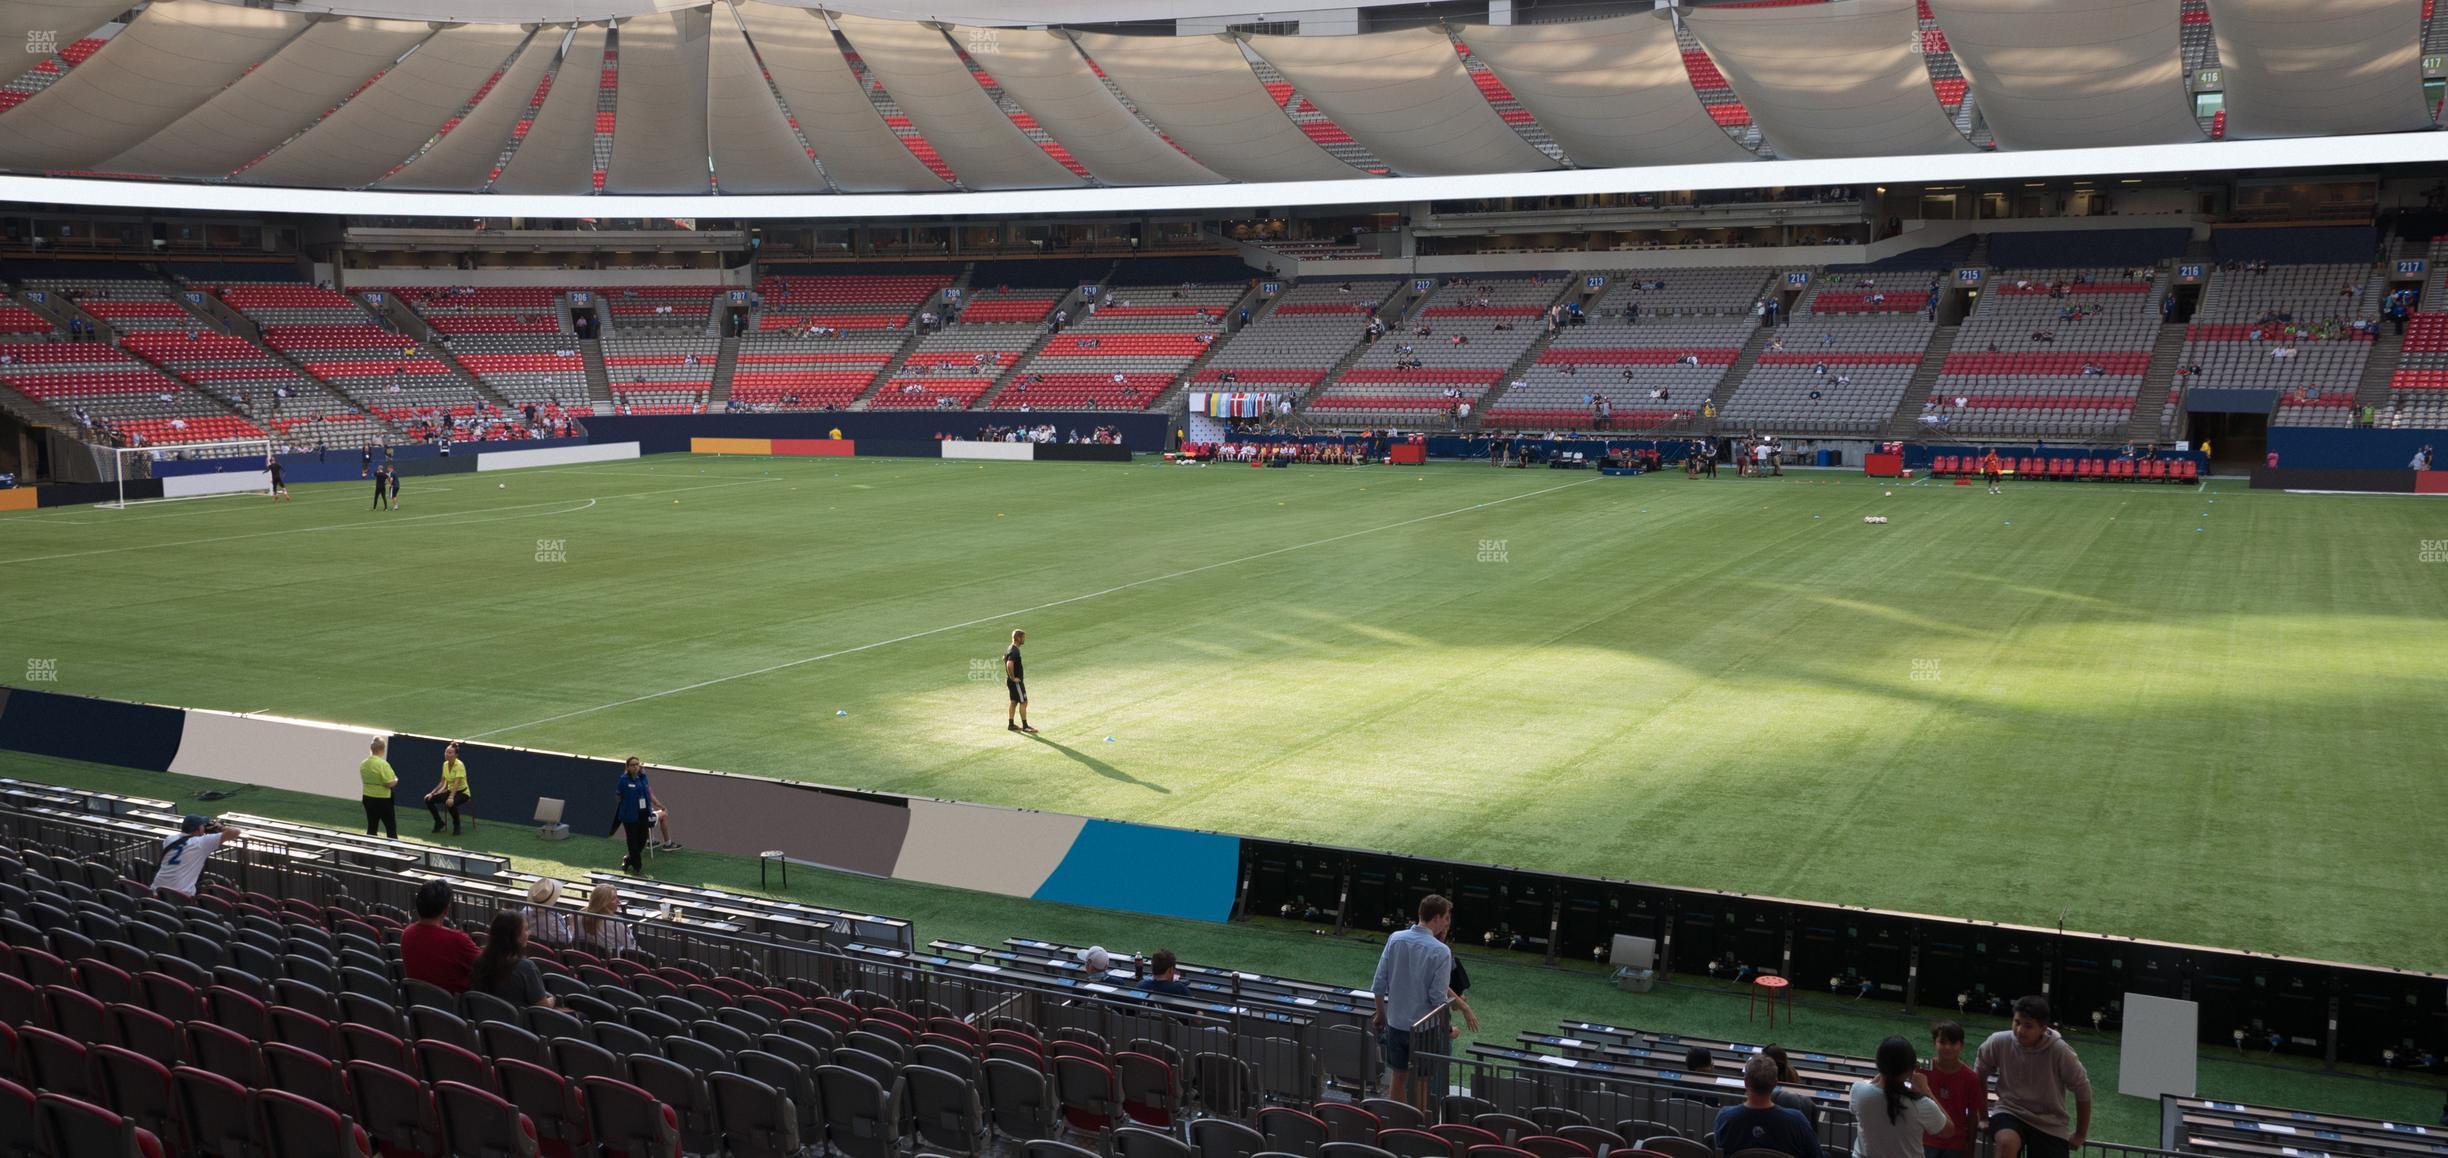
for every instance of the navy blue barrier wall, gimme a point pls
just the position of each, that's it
(896, 448)
(503, 783)
(658, 434)
(2294, 245)
(2100, 248)
(75, 494)
(1080, 452)
(82, 728)
(2331, 448)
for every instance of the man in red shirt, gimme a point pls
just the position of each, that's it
(1958, 1090)
(430, 950)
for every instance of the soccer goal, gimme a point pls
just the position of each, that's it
(234, 467)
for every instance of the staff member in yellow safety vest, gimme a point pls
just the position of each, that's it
(451, 792)
(376, 775)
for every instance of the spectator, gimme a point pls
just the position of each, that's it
(1413, 975)
(1164, 976)
(376, 780)
(545, 920)
(2035, 1070)
(1892, 1111)
(602, 924)
(1761, 1124)
(183, 856)
(1956, 1089)
(504, 970)
(1698, 1062)
(452, 790)
(431, 950)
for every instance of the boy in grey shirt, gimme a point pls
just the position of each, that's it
(2035, 1070)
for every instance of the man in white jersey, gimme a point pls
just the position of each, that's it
(183, 856)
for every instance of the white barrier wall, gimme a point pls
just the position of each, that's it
(555, 456)
(1011, 451)
(187, 486)
(299, 755)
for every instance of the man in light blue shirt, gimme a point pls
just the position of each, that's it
(1411, 984)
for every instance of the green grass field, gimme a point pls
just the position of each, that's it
(2200, 715)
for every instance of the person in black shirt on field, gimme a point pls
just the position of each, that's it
(381, 477)
(280, 485)
(1015, 718)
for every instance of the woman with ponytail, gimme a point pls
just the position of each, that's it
(1892, 1111)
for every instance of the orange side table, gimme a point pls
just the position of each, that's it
(1775, 987)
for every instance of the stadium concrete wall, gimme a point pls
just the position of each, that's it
(1005, 451)
(598, 451)
(229, 483)
(1012, 852)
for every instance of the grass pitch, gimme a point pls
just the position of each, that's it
(2202, 715)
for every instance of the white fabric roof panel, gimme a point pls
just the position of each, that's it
(26, 22)
(1407, 97)
(558, 153)
(174, 57)
(389, 122)
(278, 100)
(748, 133)
(463, 158)
(1045, 72)
(858, 151)
(1201, 92)
(931, 84)
(659, 139)
(2338, 66)
(2073, 73)
(1831, 80)
(1611, 92)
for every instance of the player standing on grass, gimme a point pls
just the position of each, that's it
(1016, 682)
(1991, 469)
(393, 472)
(378, 486)
(280, 485)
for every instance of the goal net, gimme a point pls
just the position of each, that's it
(190, 470)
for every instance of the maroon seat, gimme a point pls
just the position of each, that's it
(74, 1126)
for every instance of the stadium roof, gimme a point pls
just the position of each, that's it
(756, 97)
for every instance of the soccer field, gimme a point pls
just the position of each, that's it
(2202, 715)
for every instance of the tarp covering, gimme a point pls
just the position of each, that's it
(2073, 73)
(1407, 97)
(1610, 92)
(279, 99)
(927, 79)
(1045, 73)
(175, 56)
(659, 145)
(748, 133)
(388, 122)
(1831, 80)
(858, 151)
(464, 157)
(1201, 92)
(2339, 66)
(558, 153)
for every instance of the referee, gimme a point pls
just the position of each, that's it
(1015, 681)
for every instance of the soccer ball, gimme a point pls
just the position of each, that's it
(503, 486)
